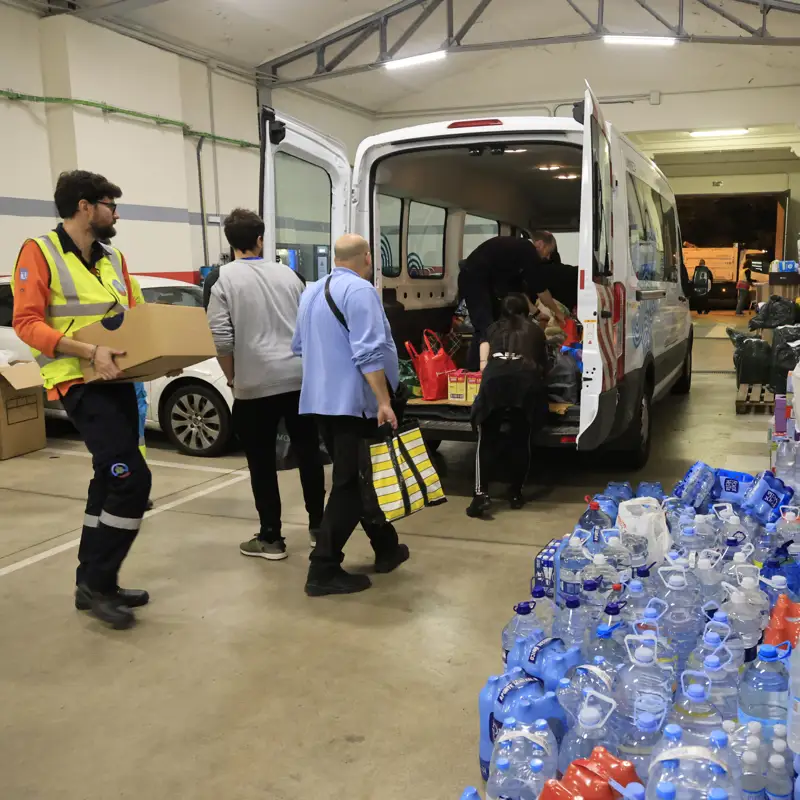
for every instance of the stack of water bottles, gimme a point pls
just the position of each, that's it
(664, 663)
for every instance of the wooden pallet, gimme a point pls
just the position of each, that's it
(754, 397)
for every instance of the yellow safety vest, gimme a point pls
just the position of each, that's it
(77, 299)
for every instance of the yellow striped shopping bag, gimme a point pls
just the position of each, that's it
(403, 475)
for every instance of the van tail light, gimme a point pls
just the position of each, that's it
(475, 123)
(620, 302)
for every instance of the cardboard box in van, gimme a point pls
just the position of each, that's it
(21, 410)
(156, 339)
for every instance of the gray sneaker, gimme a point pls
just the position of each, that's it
(274, 551)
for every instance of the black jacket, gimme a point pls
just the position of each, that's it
(511, 384)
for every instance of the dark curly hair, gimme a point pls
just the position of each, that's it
(77, 185)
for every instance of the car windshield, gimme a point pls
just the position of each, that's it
(174, 295)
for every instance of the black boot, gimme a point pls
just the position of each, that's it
(107, 607)
(133, 598)
(515, 498)
(480, 504)
(339, 582)
(391, 562)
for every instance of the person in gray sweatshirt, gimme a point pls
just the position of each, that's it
(252, 313)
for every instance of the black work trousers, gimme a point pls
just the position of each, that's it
(352, 498)
(504, 450)
(107, 418)
(256, 425)
(483, 308)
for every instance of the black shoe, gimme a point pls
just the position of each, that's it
(149, 505)
(340, 582)
(480, 504)
(390, 563)
(108, 608)
(133, 598)
(516, 500)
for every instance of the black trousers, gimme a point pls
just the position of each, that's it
(256, 425)
(107, 418)
(742, 301)
(352, 498)
(504, 450)
(483, 310)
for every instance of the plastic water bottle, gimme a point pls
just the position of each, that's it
(544, 610)
(724, 691)
(486, 701)
(637, 746)
(673, 508)
(592, 730)
(778, 784)
(549, 660)
(733, 642)
(636, 601)
(659, 787)
(535, 784)
(621, 490)
(619, 557)
(693, 710)
(789, 524)
(652, 489)
(744, 619)
(756, 598)
(649, 628)
(642, 685)
(671, 739)
(709, 644)
(573, 560)
(682, 622)
(523, 624)
(603, 644)
(712, 595)
(777, 586)
(470, 793)
(608, 504)
(592, 602)
(764, 691)
(571, 623)
(765, 543)
(753, 781)
(697, 484)
(612, 617)
(785, 460)
(729, 776)
(793, 722)
(595, 517)
(792, 567)
(602, 572)
(596, 675)
(502, 783)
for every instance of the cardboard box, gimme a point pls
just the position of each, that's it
(156, 339)
(457, 386)
(21, 410)
(473, 385)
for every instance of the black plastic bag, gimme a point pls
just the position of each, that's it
(285, 457)
(754, 362)
(785, 355)
(563, 380)
(776, 311)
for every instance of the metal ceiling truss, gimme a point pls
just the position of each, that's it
(352, 37)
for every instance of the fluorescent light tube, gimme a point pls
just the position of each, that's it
(414, 61)
(651, 41)
(722, 133)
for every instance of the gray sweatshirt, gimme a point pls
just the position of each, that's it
(252, 314)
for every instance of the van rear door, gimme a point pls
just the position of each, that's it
(595, 281)
(305, 193)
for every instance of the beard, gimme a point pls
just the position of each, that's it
(103, 232)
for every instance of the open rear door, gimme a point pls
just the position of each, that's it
(595, 288)
(305, 194)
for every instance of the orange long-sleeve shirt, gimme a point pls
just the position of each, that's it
(31, 300)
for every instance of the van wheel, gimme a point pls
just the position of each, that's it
(633, 447)
(684, 384)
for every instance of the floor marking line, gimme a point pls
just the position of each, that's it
(150, 461)
(54, 551)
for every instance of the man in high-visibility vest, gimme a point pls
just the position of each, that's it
(63, 281)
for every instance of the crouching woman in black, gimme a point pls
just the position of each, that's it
(511, 404)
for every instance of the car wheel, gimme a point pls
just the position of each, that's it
(197, 420)
(633, 450)
(684, 384)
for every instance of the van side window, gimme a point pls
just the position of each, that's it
(672, 250)
(651, 247)
(390, 211)
(477, 230)
(601, 180)
(302, 212)
(425, 249)
(641, 252)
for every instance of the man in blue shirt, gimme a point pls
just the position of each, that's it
(349, 365)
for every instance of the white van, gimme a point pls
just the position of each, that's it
(426, 196)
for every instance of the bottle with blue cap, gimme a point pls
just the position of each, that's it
(522, 624)
(520, 742)
(470, 793)
(486, 701)
(534, 785)
(592, 602)
(571, 623)
(571, 560)
(619, 557)
(650, 626)
(765, 543)
(636, 600)
(544, 609)
(603, 644)
(730, 638)
(764, 689)
(652, 489)
(591, 730)
(664, 790)
(638, 744)
(603, 573)
(612, 617)
(724, 691)
(621, 490)
(682, 621)
(502, 783)
(693, 710)
(671, 739)
(710, 644)
(665, 776)
(720, 772)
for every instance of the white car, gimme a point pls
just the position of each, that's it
(193, 409)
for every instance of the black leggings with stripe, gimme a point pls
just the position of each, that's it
(504, 450)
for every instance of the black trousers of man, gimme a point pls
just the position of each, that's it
(256, 424)
(483, 307)
(352, 498)
(107, 418)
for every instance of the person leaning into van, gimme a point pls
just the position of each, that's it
(252, 313)
(494, 269)
(511, 404)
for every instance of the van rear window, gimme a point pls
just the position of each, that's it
(426, 229)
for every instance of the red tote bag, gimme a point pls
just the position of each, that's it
(431, 366)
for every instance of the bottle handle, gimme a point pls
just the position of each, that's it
(703, 680)
(654, 602)
(612, 704)
(784, 509)
(663, 570)
(788, 649)
(738, 572)
(724, 648)
(714, 556)
(718, 507)
(645, 641)
(667, 500)
(713, 625)
(749, 547)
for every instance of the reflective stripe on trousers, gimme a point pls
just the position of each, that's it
(112, 520)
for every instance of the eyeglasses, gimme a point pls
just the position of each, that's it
(112, 206)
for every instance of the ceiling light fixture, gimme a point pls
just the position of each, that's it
(549, 167)
(651, 41)
(517, 150)
(722, 133)
(571, 176)
(413, 61)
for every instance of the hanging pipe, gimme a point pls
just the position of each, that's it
(203, 220)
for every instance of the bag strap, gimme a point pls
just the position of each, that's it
(398, 471)
(435, 336)
(332, 304)
(412, 351)
(401, 446)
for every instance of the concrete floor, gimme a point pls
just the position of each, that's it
(234, 685)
